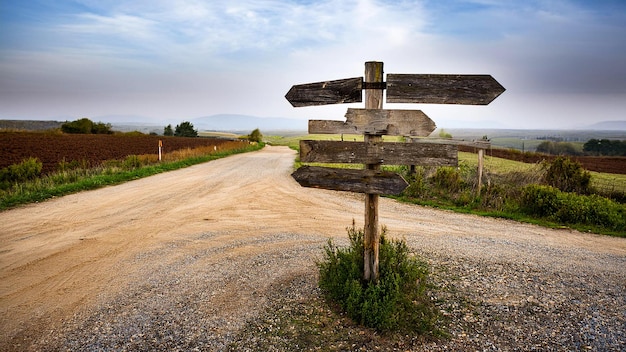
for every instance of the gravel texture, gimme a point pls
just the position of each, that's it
(495, 296)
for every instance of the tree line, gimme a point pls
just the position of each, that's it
(605, 147)
(183, 129)
(597, 147)
(86, 126)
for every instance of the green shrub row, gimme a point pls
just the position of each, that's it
(568, 176)
(557, 192)
(571, 208)
(398, 302)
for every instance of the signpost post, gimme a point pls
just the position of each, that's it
(374, 122)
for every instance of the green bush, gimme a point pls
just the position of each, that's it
(541, 201)
(568, 176)
(398, 301)
(571, 208)
(26, 170)
(417, 182)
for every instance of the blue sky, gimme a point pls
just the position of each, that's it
(563, 62)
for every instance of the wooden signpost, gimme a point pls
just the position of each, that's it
(374, 122)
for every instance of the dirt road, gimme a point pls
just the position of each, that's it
(215, 239)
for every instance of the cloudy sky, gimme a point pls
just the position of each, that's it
(563, 62)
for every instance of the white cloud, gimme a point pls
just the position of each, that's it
(193, 57)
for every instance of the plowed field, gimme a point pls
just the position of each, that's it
(50, 148)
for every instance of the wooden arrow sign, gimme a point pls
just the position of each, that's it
(362, 181)
(424, 154)
(442, 89)
(378, 122)
(329, 92)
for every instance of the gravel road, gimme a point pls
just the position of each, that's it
(192, 259)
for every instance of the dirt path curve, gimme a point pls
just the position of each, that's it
(220, 225)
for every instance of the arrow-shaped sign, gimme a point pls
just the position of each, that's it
(442, 89)
(329, 92)
(362, 181)
(376, 121)
(424, 154)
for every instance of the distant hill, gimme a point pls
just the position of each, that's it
(246, 123)
(29, 125)
(608, 126)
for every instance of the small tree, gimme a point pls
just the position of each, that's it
(168, 130)
(185, 129)
(256, 136)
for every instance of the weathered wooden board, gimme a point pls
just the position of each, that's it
(362, 181)
(479, 144)
(424, 154)
(377, 121)
(442, 89)
(339, 91)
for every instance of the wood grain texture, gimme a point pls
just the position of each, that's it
(442, 89)
(377, 121)
(479, 144)
(387, 153)
(350, 180)
(340, 91)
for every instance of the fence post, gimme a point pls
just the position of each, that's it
(481, 158)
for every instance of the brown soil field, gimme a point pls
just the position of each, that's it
(607, 164)
(52, 148)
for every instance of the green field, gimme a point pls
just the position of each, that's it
(218, 134)
(600, 181)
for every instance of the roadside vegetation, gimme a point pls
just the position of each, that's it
(23, 183)
(554, 194)
(557, 193)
